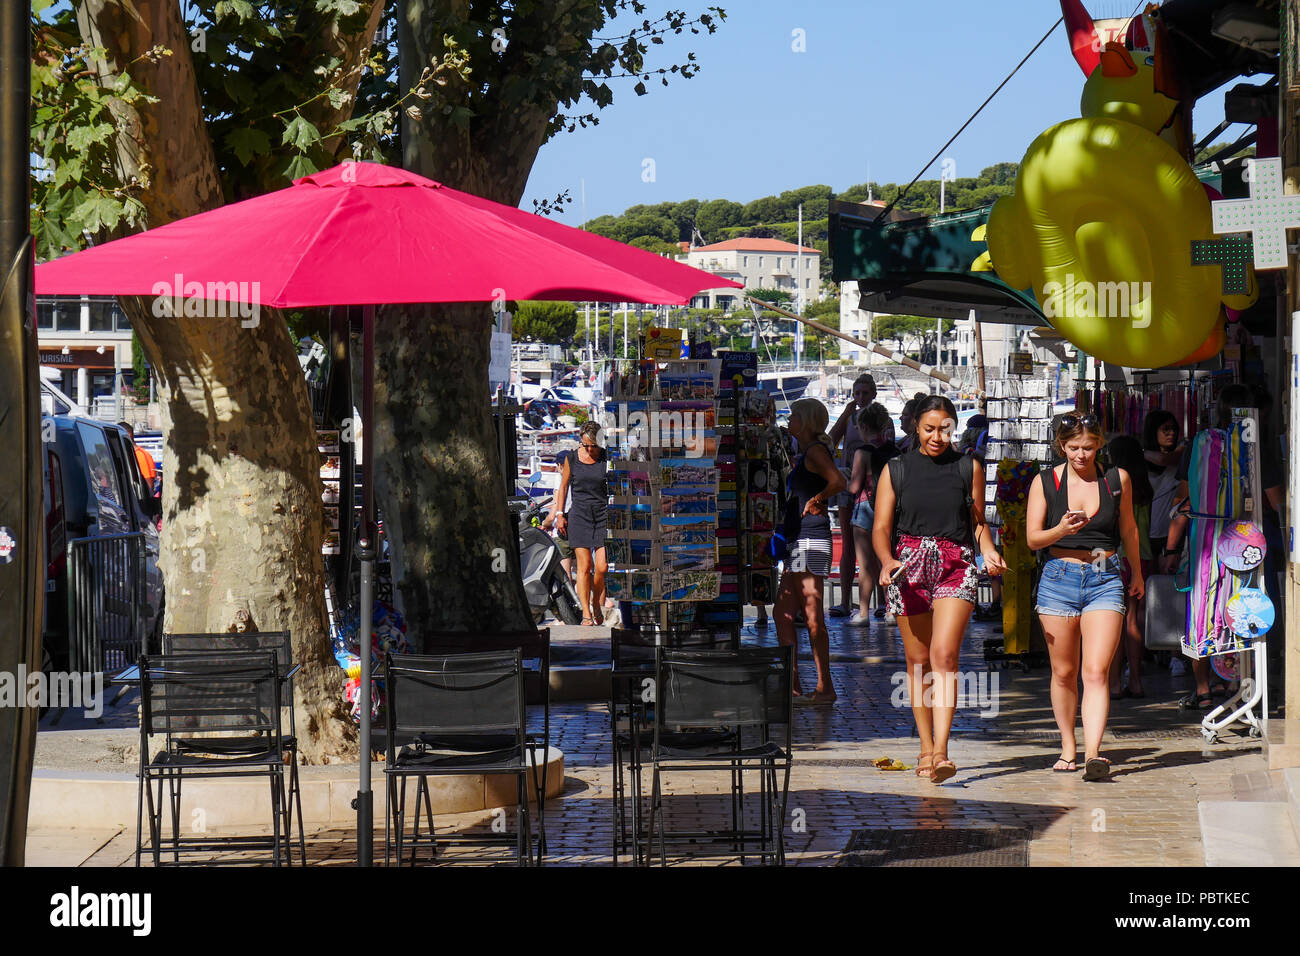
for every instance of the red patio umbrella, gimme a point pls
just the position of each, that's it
(366, 234)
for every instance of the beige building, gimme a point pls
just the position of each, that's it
(759, 264)
(87, 339)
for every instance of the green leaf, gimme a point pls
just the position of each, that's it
(81, 138)
(247, 143)
(300, 166)
(342, 8)
(299, 133)
(239, 87)
(337, 98)
(639, 89)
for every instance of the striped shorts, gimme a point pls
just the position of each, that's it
(809, 556)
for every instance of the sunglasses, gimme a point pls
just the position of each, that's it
(1073, 421)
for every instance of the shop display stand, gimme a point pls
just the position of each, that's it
(663, 528)
(1020, 431)
(1251, 654)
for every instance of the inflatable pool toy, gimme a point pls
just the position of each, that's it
(1105, 208)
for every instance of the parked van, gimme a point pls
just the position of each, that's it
(92, 488)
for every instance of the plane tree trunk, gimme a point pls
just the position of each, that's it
(242, 512)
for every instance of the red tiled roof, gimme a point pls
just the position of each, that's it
(754, 245)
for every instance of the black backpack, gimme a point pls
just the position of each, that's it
(965, 469)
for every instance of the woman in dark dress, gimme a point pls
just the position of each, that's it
(584, 525)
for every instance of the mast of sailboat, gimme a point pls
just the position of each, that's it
(798, 291)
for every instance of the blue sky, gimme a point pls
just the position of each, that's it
(881, 86)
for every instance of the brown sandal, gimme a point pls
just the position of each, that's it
(923, 764)
(942, 770)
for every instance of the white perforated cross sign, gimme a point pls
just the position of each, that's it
(1267, 214)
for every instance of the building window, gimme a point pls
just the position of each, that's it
(101, 315)
(45, 315)
(745, 261)
(67, 316)
(760, 262)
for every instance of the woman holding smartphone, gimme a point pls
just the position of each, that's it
(929, 520)
(1081, 513)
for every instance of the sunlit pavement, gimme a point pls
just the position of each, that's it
(1165, 785)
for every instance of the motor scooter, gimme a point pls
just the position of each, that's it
(545, 582)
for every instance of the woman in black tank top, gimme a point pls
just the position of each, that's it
(929, 539)
(1079, 513)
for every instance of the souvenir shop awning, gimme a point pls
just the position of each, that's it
(928, 266)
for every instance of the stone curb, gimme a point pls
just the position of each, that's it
(61, 799)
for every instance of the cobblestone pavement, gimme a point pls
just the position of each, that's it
(1004, 745)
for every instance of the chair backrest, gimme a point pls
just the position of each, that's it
(534, 644)
(450, 695)
(708, 689)
(277, 641)
(636, 646)
(235, 691)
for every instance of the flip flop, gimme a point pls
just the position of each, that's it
(942, 770)
(1097, 768)
(923, 764)
(1071, 768)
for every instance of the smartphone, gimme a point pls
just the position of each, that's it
(1076, 514)
(895, 573)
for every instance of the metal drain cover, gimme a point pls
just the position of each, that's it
(995, 846)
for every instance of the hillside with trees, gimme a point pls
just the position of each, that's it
(657, 227)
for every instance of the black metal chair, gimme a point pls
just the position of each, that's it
(633, 655)
(453, 714)
(707, 693)
(182, 696)
(279, 643)
(534, 645)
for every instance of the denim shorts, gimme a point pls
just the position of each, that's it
(863, 516)
(1071, 588)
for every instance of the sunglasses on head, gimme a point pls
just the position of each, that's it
(1073, 421)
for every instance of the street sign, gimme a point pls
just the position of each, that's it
(499, 366)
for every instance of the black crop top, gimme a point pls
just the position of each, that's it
(934, 499)
(1102, 529)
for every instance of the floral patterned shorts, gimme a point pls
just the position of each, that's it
(933, 568)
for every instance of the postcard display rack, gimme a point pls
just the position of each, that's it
(1020, 425)
(679, 517)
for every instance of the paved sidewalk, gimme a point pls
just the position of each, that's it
(1165, 782)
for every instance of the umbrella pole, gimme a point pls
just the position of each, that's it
(366, 551)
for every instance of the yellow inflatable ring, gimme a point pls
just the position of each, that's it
(1100, 228)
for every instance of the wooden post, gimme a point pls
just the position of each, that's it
(979, 362)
